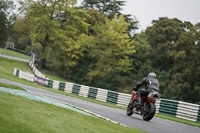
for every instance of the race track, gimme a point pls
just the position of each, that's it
(14, 58)
(156, 125)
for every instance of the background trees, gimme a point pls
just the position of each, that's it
(6, 19)
(111, 8)
(174, 53)
(92, 45)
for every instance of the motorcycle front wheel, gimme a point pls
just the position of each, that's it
(149, 111)
(129, 110)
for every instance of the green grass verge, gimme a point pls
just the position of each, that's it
(11, 86)
(13, 53)
(7, 68)
(51, 75)
(21, 115)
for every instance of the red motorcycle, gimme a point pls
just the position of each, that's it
(148, 107)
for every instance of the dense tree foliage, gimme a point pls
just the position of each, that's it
(20, 34)
(108, 7)
(175, 46)
(7, 18)
(111, 8)
(91, 46)
(84, 42)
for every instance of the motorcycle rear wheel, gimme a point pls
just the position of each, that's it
(150, 112)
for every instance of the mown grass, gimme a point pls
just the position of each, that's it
(21, 115)
(7, 73)
(52, 75)
(13, 53)
(7, 68)
(11, 86)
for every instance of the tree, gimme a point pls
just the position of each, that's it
(20, 34)
(162, 37)
(187, 61)
(94, 18)
(141, 60)
(110, 8)
(174, 54)
(6, 19)
(111, 49)
(59, 28)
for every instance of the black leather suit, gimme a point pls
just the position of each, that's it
(150, 84)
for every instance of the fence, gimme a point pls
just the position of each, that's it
(174, 108)
(24, 75)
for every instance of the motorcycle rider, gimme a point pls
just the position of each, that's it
(150, 82)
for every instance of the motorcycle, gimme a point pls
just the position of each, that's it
(148, 107)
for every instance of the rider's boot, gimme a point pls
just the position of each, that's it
(139, 100)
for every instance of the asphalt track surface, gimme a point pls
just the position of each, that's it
(156, 125)
(14, 58)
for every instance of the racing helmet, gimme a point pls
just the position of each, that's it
(152, 74)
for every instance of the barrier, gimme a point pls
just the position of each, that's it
(112, 97)
(84, 91)
(92, 92)
(157, 105)
(168, 107)
(50, 83)
(56, 84)
(24, 75)
(62, 86)
(123, 99)
(187, 111)
(34, 69)
(198, 117)
(30, 63)
(41, 81)
(16, 72)
(174, 108)
(102, 95)
(68, 87)
(76, 89)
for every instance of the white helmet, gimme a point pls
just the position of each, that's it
(152, 74)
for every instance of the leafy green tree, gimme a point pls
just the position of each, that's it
(141, 64)
(110, 8)
(6, 19)
(174, 53)
(187, 60)
(94, 18)
(111, 49)
(20, 34)
(162, 37)
(59, 28)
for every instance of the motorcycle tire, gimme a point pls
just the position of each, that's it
(150, 112)
(129, 110)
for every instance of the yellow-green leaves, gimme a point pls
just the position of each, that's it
(112, 47)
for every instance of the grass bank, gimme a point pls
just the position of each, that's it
(21, 115)
(7, 68)
(11, 86)
(13, 53)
